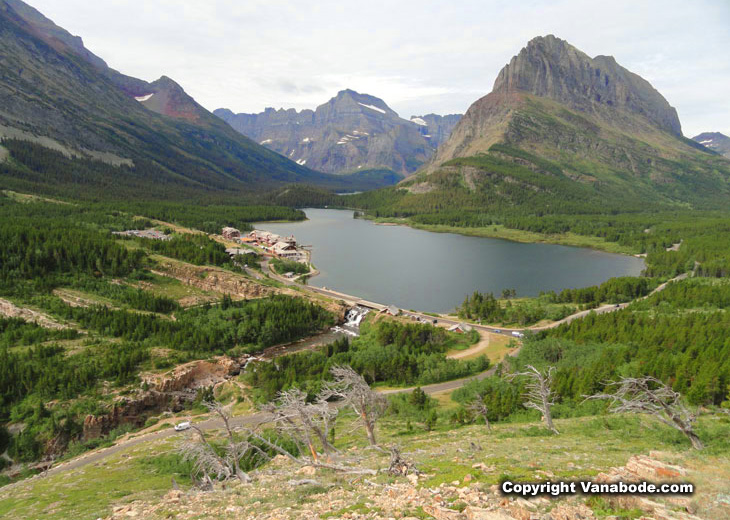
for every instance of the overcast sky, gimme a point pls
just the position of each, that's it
(419, 56)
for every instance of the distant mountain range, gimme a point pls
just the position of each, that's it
(134, 138)
(715, 141)
(350, 132)
(562, 131)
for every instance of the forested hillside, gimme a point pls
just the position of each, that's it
(115, 319)
(74, 127)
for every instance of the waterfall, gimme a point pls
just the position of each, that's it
(353, 318)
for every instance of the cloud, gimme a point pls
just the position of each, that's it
(419, 56)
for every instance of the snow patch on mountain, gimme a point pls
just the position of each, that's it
(372, 107)
(144, 98)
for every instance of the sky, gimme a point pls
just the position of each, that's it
(418, 56)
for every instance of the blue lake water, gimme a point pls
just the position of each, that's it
(427, 271)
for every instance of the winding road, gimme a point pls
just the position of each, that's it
(258, 418)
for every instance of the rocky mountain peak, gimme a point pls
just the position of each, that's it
(349, 102)
(167, 97)
(550, 67)
(715, 141)
(350, 132)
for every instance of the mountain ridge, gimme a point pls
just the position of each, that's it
(598, 125)
(349, 132)
(56, 93)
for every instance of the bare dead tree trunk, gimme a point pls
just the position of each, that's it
(539, 395)
(479, 407)
(206, 459)
(694, 439)
(351, 387)
(648, 395)
(304, 421)
(369, 429)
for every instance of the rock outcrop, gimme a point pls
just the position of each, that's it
(194, 375)
(130, 410)
(403, 498)
(435, 127)
(552, 68)
(215, 280)
(10, 310)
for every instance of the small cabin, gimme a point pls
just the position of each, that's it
(393, 310)
(461, 328)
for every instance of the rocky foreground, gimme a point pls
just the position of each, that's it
(280, 491)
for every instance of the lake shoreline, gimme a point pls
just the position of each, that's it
(512, 235)
(433, 269)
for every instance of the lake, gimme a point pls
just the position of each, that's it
(433, 272)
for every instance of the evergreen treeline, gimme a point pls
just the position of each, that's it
(387, 352)
(616, 290)
(18, 332)
(289, 266)
(486, 307)
(194, 249)
(41, 373)
(126, 295)
(209, 329)
(673, 342)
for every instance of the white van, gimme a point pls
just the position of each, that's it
(182, 426)
(517, 334)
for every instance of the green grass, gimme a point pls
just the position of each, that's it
(517, 235)
(89, 492)
(172, 288)
(521, 451)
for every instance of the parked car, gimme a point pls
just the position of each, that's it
(185, 425)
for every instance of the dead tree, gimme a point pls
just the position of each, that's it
(353, 390)
(399, 465)
(651, 396)
(479, 407)
(539, 394)
(302, 421)
(206, 459)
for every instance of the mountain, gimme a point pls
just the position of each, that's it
(562, 129)
(350, 132)
(715, 141)
(435, 127)
(63, 106)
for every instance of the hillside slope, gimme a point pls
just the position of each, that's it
(351, 132)
(59, 96)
